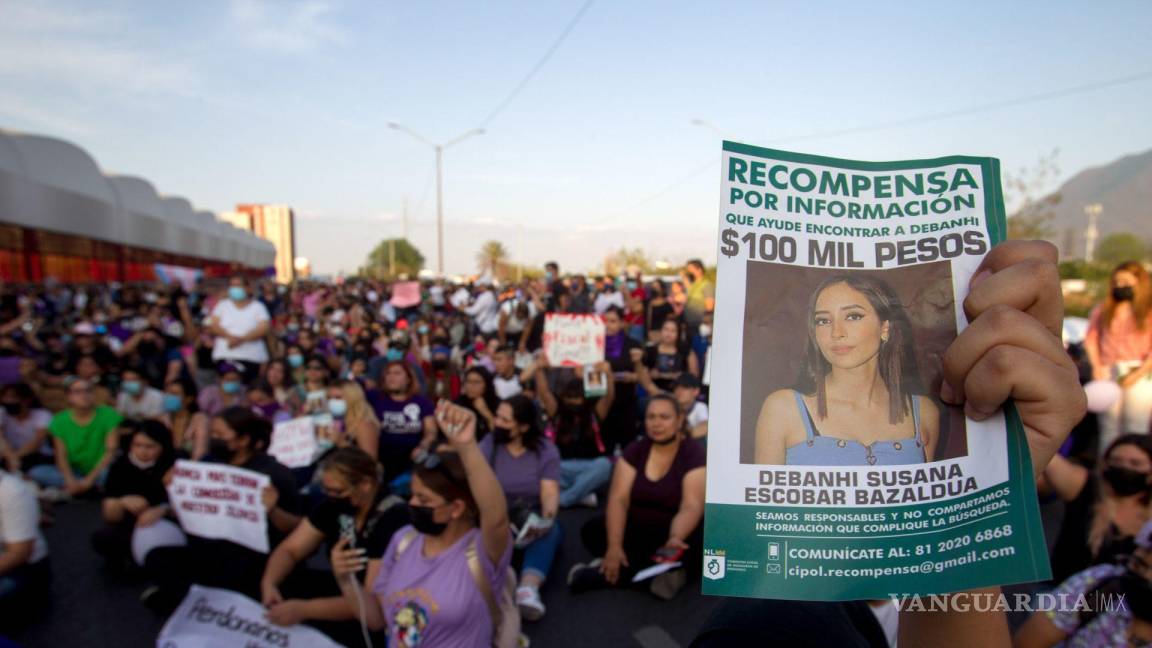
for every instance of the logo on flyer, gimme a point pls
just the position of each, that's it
(714, 565)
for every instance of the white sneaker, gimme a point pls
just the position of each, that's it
(589, 501)
(528, 600)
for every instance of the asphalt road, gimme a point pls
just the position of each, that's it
(96, 607)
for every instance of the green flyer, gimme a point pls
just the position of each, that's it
(835, 472)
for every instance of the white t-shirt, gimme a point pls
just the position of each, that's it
(606, 300)
(507, 387)
(485, 311)
(240, 321)
(515, 324)
(17, 433)
(459, 299)
(698, 414)
(20, 515)
(150, 405)
(436, 295)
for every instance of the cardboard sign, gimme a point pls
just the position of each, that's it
(221, 502)
(294, 442)
(218, 618)
(406, 294)
(573, 340)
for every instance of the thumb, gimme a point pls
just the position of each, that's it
(624, 560)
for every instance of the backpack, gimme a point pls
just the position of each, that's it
(504, 613)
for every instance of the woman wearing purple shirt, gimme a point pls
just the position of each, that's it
(424, 590)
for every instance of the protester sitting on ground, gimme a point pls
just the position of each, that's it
(279, 377)
(134, 485)
(1104, 510)
(670, 356)
(406, 423)
(686, 390)
(240, 324)
(575, 423)
(24, 425)
(227, 392)
(84, 442)
(312, 392)
(87, 368)
(239, 437)
(138, 399)
(507, 380)
(24, 572)
(655, 504)
(478, 394)
(1116, 609)
(182, 415)
(357, 506)
(456, 553)
(620, 427)
(527, 465)
(354, 421)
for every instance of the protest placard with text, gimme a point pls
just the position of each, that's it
(220, 501)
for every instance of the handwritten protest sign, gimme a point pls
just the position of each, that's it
(834, 274)
(573, 340)
(220, 501)
(406, 294)
(210, 618)
(294, 442)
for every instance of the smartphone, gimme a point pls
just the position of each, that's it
(667, 555)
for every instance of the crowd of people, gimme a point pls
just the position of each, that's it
(448, 442)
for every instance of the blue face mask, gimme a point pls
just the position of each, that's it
(338, 407)
(237, 293)
(295, 361)
(131, 387)
(394, 354)
(230, 387)
(631, 285)
(422, 330)
(172, 403)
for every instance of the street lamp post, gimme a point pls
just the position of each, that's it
(1093, 212)
(439, 149)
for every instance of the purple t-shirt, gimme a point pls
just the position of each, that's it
(435, 601)
(401, 417)
(520, 476)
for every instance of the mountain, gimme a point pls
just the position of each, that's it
(1123, 188)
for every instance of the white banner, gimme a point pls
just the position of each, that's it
(219, 501)
(294, 442)
(573, 340)
(218, 618)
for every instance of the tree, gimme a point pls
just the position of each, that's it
(491, 257)
(625, 259)
(1031, 217)
(408, 259)
(1115, 249)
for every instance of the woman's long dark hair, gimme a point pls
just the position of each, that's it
(1141, 297)
(490, 397)
(246, 423)
(897, 362)
(524, 413)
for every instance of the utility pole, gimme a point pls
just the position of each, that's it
(1091, 232)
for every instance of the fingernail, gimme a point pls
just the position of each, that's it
(978, 279)
(975, 414)
(947, 394)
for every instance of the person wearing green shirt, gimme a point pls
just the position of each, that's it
(86, 442)
(701, 295)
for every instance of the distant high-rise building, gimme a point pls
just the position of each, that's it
(275, 223)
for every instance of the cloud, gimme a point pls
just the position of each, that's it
(286, 27)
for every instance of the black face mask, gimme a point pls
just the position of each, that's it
(422, 518)
(219, 448)
(12, 408)
(501, 435)
(1125, 481)
(1123, 293)
(343, 505)
(440, 364)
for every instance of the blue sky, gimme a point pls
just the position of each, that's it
(247, 101)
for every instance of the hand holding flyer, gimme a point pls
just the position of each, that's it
(839, 465)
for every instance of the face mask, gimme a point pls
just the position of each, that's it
(422, 330)
(423, 520)
(548, 277)
(172, 403)
(293, 327)
(142, 465)
(705, 330)
(440, 364)
(501, 435)
(394, 355)
(342, 505)
(230, 387)
(12, 408)
(131, 387)
(338, 407)
(1123, 293)
(237, 293)
(295, 361)
(220, 449)
(631, 285)
(1125, 481)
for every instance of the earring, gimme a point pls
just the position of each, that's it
(884, 338)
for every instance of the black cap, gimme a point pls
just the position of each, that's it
(688, 380)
